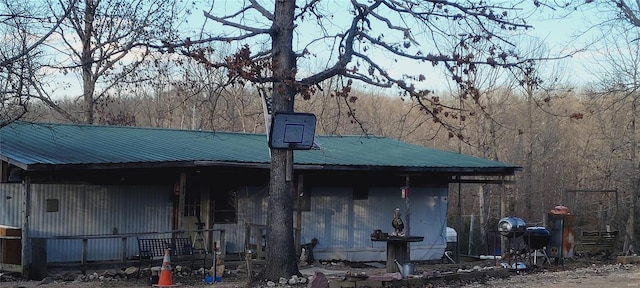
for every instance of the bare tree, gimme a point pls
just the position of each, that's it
(25, 27)
(617, 43)
(105, 42)
(353, 40)
(619, 77)
(628, 11)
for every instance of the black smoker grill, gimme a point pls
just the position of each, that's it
(536, 237)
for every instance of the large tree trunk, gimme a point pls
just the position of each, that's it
(86, 59)
(281, 253)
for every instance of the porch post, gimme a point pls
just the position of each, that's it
(407, 213)
(26, 214)
(179, 206)
(298, 228)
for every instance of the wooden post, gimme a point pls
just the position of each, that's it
(288, 176)
(124, 249)
(85, 249)
(259, 246)
(26, 215)
(222, 247)
(298, 230)
(407, 213)
(179, 207)
(397, 251)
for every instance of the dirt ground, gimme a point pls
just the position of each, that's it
(596, 276)
(572, 275)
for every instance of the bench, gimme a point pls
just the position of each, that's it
(181, 250)
(596, 241)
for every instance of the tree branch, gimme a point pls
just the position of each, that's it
(261, 9)
(41, 40)
(225, 22)
(629, 13)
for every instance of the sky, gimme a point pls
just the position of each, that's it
(554, 28)
(566, 34)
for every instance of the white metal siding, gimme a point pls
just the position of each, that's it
(343, 226)
(11, 204)
(97, 210)
(251, 209)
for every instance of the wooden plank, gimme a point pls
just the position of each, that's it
(124, 249)
(11, 268)
(595, 241)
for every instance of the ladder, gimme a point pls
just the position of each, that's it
(198, 239)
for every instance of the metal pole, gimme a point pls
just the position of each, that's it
(459, 219)
(407, 215)
(471, 224)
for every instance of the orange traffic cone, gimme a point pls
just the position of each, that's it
(165, 272)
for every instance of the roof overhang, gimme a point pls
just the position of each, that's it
(489, 175)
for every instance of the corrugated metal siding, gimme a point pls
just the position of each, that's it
(11, 204)
(330, 219)
(98, 210)
(343, 226)
(251, 209)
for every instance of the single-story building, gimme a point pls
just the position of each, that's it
(86, 189)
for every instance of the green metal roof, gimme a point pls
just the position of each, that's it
(56, 146)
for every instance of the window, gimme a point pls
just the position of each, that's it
(192, 203)
(224, 206)
(52, 205)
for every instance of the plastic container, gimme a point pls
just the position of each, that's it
(208, 279)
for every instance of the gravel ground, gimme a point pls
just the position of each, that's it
(595, 276)
(574, 275)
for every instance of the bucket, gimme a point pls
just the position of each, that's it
(408, 269)
(153, 280)
(208, 279)
(155, 275)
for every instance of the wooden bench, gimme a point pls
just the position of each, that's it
(596, 241)
(181, 250)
